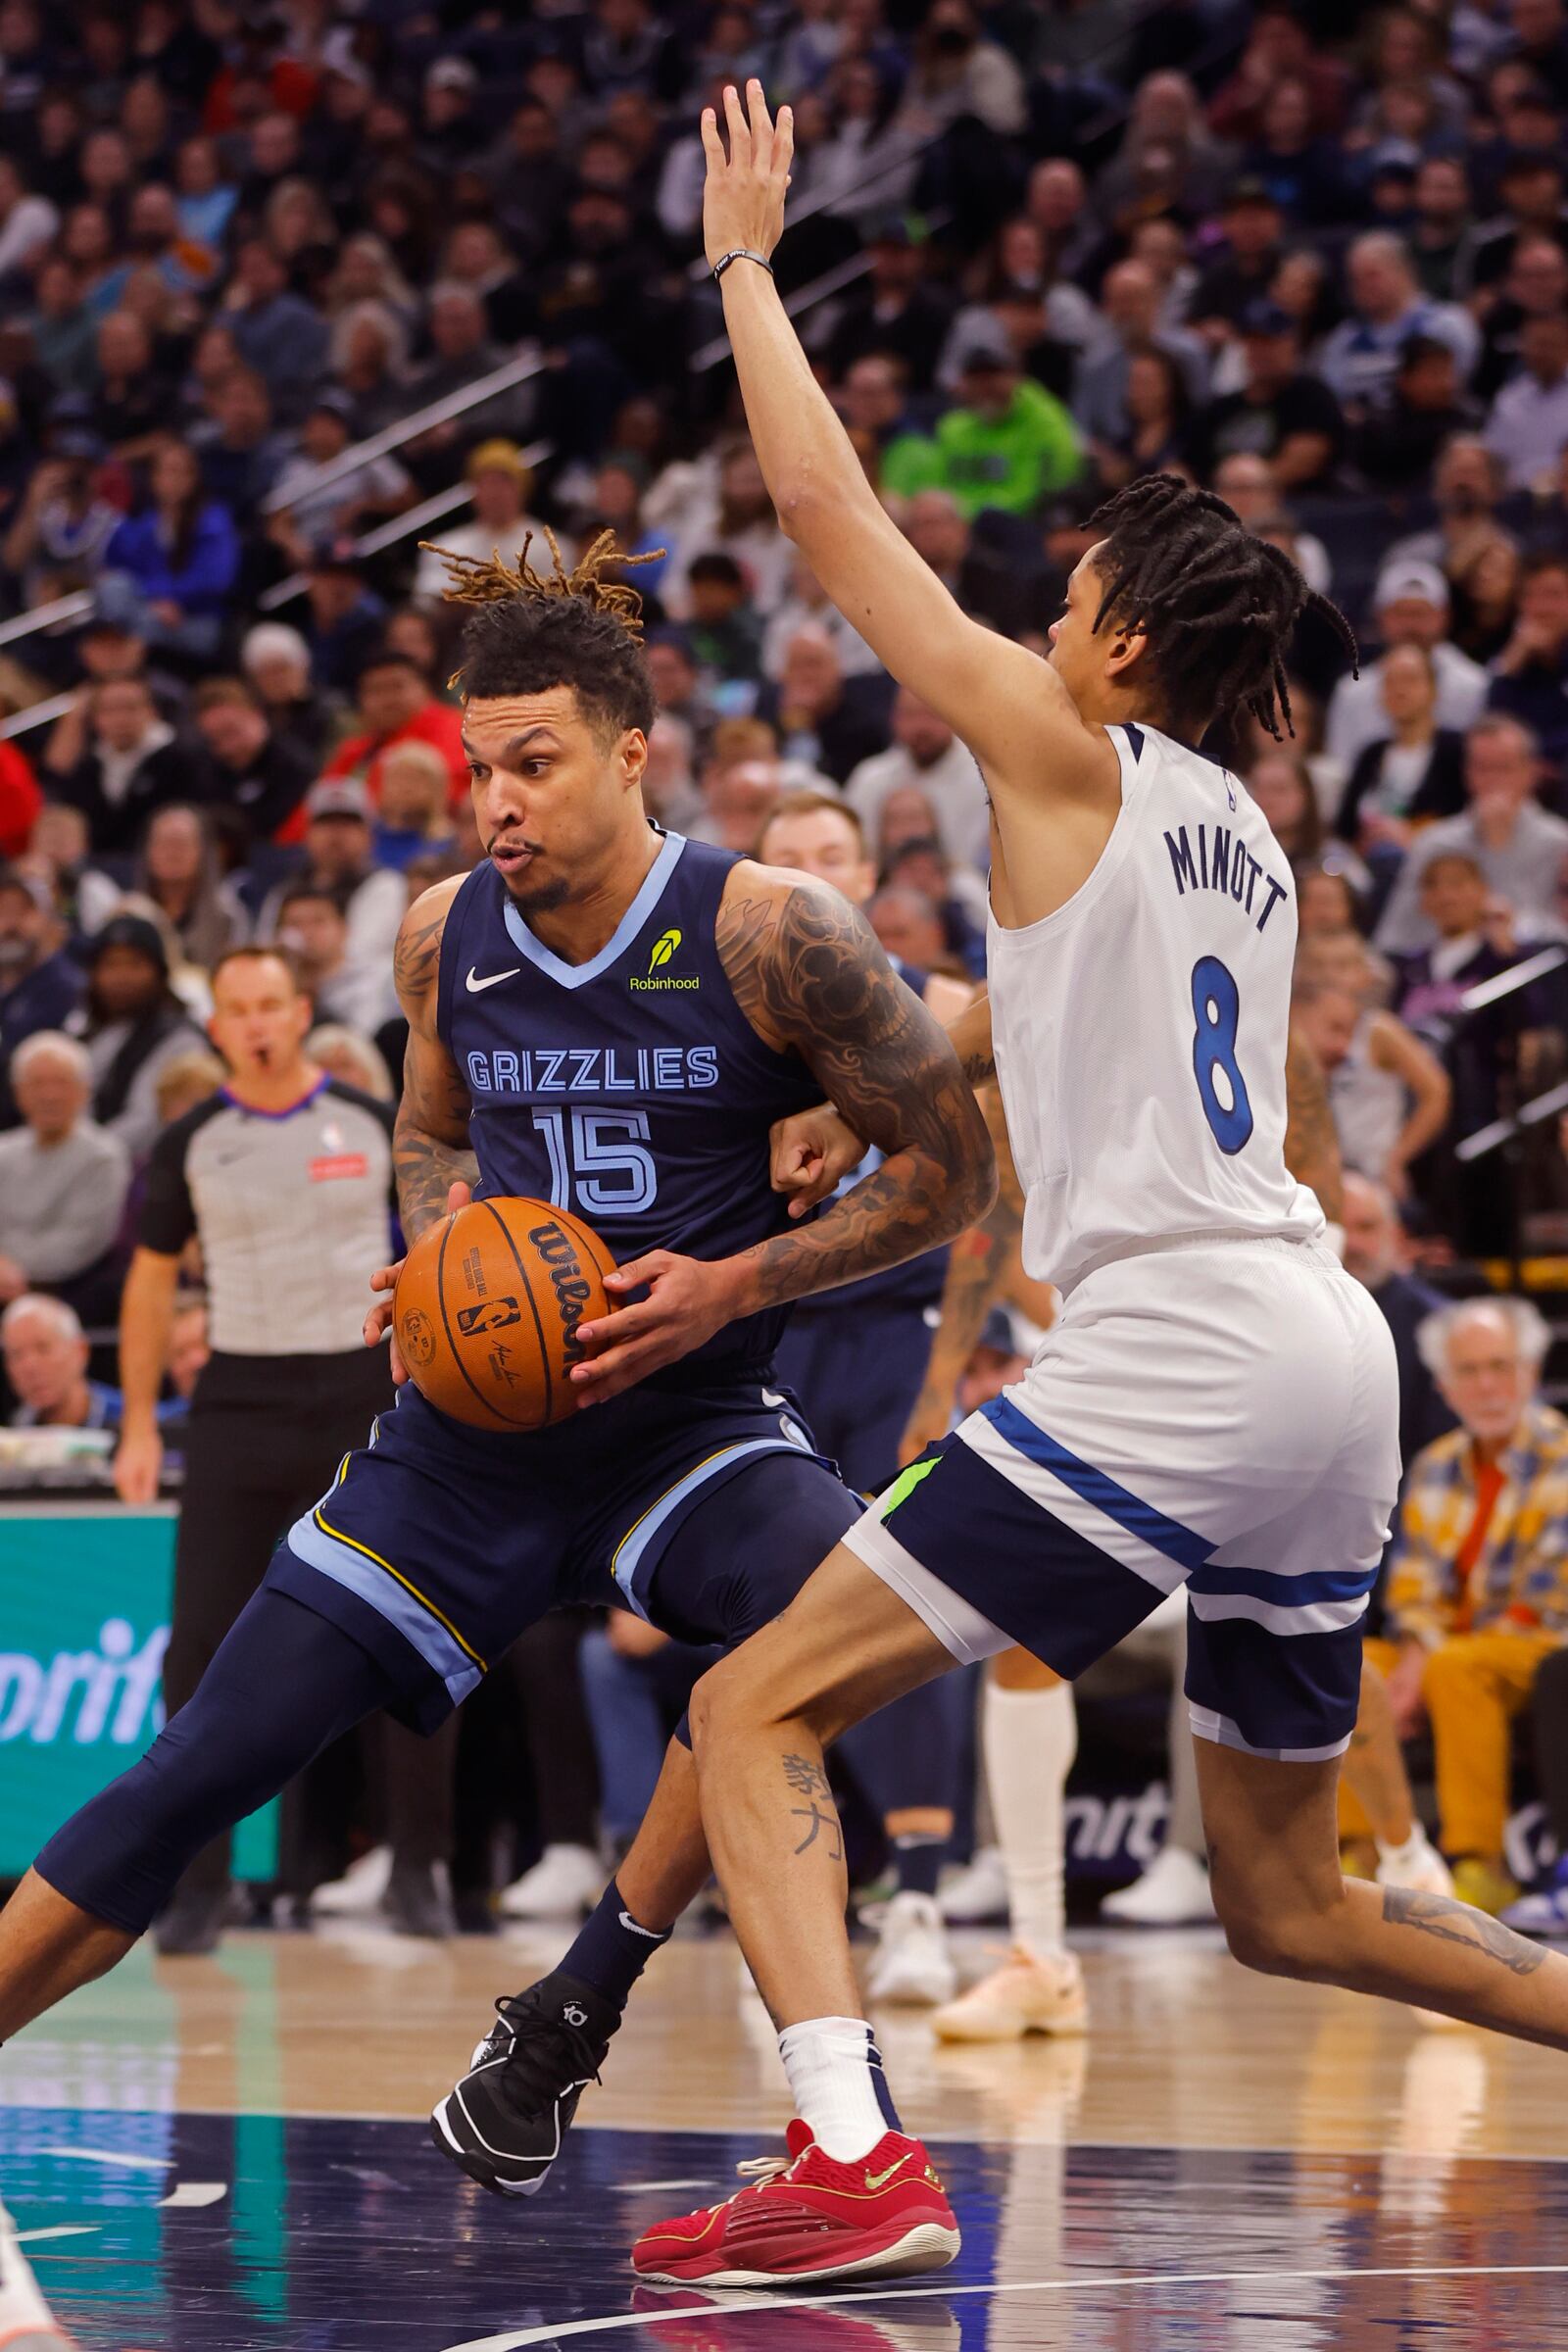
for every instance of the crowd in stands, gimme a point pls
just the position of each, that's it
(253, 260)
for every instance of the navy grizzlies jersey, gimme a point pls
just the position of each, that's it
(631, 1088)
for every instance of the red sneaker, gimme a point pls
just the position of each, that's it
(806, 2217)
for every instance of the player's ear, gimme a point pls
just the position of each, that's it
(633, 755)
(1126, 648)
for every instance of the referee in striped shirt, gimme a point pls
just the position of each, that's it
(285, 1177)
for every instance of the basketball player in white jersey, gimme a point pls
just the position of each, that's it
(1216, 1404)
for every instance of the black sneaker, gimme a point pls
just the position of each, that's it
(505, 2122)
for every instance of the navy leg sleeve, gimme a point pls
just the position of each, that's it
(283, 1683)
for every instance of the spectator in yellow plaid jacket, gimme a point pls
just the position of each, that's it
(1478, 1583)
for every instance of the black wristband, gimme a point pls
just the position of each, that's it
(742, 253)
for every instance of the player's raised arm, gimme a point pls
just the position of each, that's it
(1006, 703)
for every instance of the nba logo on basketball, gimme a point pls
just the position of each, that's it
(490, 1314)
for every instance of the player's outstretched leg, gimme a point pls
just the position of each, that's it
(855, 2196)
(283, 1682)
(505, 2122)
(1287, 1909)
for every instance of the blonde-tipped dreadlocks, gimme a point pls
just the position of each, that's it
(474, 581)
(530, 630)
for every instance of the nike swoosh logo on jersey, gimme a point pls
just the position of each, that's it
(875, 2180)
(475, 983)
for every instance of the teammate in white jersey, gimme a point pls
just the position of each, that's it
(1216, 1404)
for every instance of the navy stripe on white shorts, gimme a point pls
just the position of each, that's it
(1004, 1535)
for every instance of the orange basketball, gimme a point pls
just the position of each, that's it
(487, 1308)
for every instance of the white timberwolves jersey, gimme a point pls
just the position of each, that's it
(1141, 1030)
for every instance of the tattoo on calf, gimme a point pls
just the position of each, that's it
(1454, 1922)
(809, 1779)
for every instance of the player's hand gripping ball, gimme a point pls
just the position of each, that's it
(487, 1311)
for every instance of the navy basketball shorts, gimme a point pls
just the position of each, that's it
(437, 1544)
(858, 1369)
(1221, 1414)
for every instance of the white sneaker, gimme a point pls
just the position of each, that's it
(360, 1891)
(1024, 1995)
(1417, 1865)
(1173, 1893)
(976, 1892)
(564, 1882)
(912, 1961)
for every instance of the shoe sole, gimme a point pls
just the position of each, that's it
(478, 2166)
(928, 2246)
(1069, 2029)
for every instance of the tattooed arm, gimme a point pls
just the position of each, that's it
(1311, 1144)
(970, 1038)
(809, 974)
(434, 1166)
(431, 1140)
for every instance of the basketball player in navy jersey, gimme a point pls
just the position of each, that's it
(614, 1019)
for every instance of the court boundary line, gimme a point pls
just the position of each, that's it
(931, 2139)
(867, 2294)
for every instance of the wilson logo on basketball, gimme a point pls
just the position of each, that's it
(664, 948)
(573, 1293)
(491, 1314)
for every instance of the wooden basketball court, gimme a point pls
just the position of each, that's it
(230, 2155)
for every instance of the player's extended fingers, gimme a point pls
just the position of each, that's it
(385, 1278)
(639, 1270)
(740, 130)
(713, 144)
(621, 1368)
(612, 1331)
(783, 146)
(761, 123)
(458, 1195)
(376, 1322)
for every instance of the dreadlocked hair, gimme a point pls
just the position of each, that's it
(530, 630)
(1218, 602)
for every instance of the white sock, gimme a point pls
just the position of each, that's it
(1414, 1844)
(828, 2061)
(1029, 1738)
